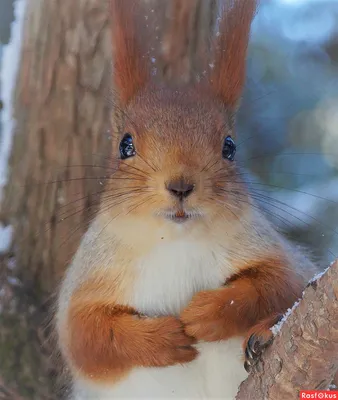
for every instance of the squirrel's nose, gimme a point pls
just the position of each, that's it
(180, 189)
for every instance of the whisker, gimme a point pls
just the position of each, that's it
(102, 198)
(110, 221)
(102, 209)
(228, 209)
(137, 169)
(118, 195)
(140, 204)
(259, 195)
(278, 173)
(63, 180)
(281, 187)
(299, 219)
(99, 178)
(288, 154)
(264, 199)
(207, 167)
(146, 162)
(238, 194)
(65, 215)
(92, 216)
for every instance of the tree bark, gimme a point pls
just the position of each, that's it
(304, 353)
(62, 116)
(184, 50)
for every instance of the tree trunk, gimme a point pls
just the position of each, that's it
(62, 118)
(184, 49)
(303, 355)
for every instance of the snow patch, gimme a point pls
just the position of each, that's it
(320, 274)
(6, 234)
(276, 328)
(8, 73)
(13, 281)
(11, 264)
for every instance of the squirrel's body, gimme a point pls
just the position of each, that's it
(180, 267)
(164, 280)
(160, 276)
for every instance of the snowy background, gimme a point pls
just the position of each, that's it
(288, 123)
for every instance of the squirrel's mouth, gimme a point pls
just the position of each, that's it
(180, 216)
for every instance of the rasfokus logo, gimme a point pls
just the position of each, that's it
(318, 394)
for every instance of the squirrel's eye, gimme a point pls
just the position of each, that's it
(127, 148)
(229, 149)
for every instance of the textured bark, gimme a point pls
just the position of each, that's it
(188, 26)
(303, 355)
(62, 118)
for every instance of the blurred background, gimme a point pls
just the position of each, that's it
(289, 118)
(287, 138)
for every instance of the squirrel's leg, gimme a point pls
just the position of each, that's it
(258, 339)
(105, 341)
(253, 294)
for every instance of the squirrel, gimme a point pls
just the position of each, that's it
(179, 278)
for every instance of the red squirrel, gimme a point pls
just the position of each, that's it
(177, 282)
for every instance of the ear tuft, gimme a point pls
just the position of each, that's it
(228, 76)
(130, 63)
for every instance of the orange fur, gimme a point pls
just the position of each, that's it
(106, 340)
(262, 330)
(264, 289)
(131, 70)
(167, 125)
(230, 65)
(178, 134)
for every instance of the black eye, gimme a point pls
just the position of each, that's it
(229, 149)
(127, 148)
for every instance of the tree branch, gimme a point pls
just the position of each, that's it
(304, 354)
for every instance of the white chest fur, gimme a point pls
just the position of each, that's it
(169, 275)
(167, 278)
(214, 375)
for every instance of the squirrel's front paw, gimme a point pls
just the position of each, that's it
(171, 345)
(258, 339)
(204, 318)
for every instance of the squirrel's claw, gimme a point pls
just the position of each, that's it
(254, 349)
(259, 338)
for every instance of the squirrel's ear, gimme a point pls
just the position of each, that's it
(130, 64)
(229, 72)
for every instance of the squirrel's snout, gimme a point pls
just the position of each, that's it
(180, 188)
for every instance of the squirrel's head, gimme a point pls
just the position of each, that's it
(176, 147)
